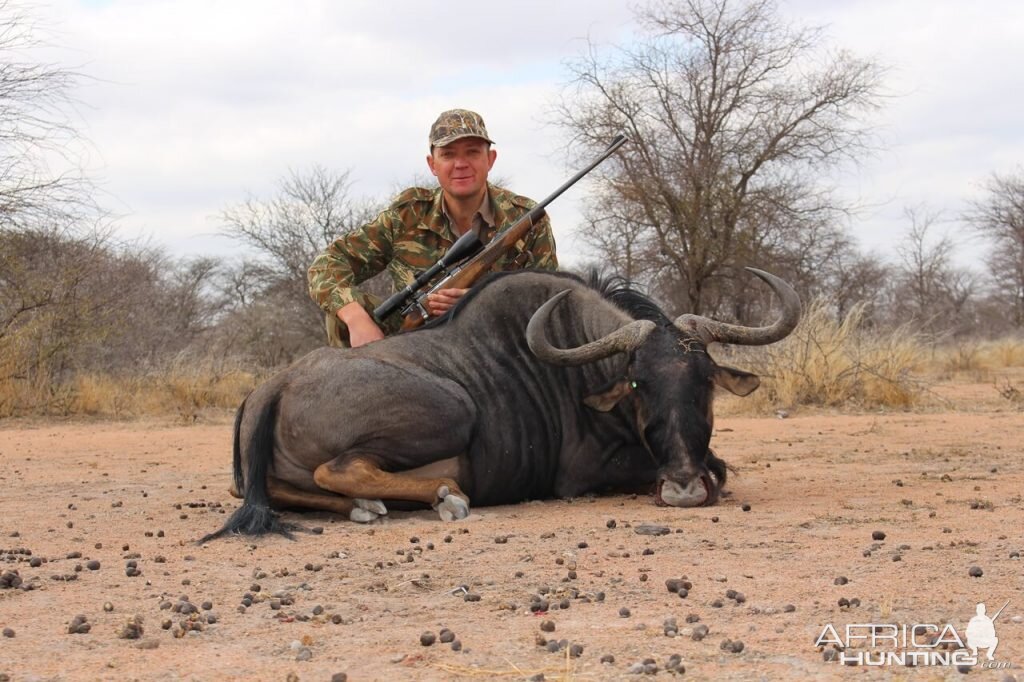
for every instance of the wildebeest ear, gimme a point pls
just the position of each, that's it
(736, 381)
(606, 400)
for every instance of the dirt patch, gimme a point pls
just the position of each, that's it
(763, 565)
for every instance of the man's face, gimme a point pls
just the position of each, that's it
(461, 167)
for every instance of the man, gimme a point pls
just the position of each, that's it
(418, 228)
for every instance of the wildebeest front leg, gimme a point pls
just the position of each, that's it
(361, 477)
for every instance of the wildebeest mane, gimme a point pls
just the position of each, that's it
(625, 294)
(616, 289)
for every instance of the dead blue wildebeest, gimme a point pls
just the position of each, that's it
(536, 385)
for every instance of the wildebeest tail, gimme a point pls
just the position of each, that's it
(254, 517)
(236, 448)
(718, 467)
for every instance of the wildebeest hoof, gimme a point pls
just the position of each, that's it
(366, 511)
(376, 506)
(450, 507)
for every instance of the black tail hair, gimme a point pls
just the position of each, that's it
(718, 467)
(236, 448)
(254, 517)
(720, 470)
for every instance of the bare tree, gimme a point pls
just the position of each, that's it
(931, 289)
(732, 117)
(855, 278)
(34, 125)
(999, 217)
(41, 282)
(73, 302)
(288, 231)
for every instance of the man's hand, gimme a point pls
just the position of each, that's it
(441, 301)
(361, 327)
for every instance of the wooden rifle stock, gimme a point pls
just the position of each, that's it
(479, 264)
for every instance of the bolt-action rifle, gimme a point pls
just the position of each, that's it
(469, 259)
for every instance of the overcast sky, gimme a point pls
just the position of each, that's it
(191, 106)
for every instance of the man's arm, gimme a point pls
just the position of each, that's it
(346, 262)
(362, 329)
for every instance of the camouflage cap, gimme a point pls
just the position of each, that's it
(456, 124)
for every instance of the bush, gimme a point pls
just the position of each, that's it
(973, 358)
(1002, 353)
(827, 362)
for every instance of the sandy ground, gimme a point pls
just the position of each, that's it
(944, 486)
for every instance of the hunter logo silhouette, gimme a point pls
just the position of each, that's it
(981, 631)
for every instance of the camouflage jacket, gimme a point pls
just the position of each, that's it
(409, 236)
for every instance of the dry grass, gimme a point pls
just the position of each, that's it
(567, 672)
(1008, 391)
(178, 390)
(514, 672)
(1002, 353)
(827, 362)
(180, 393)
(976, 358)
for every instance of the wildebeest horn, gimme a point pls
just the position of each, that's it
(622, 340)
(712, 330)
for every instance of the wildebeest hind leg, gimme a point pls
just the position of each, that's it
(360, 477)
(283, 495)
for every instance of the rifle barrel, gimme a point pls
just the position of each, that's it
(617, 142)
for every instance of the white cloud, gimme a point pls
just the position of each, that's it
(952, 119)
(193, 104)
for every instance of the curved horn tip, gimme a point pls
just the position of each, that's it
(713, 331)
(761, 274)
(774, 281)
(549, 305)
